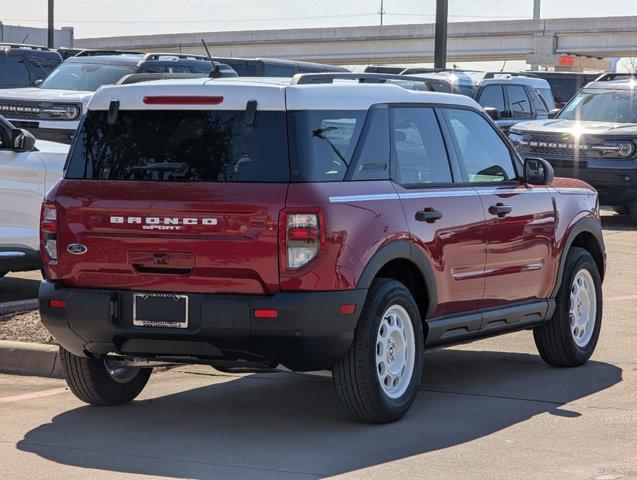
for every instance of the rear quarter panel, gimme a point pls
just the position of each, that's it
(355, 230)
(574, 200)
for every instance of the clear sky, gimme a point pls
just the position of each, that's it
(96, 18)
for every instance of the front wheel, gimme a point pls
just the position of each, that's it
(377, 380)
(569, 338)
(100, 382)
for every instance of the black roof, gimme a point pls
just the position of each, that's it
(30, 50)
(629, 83)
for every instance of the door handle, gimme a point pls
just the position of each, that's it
(500, 209)
(428, 215)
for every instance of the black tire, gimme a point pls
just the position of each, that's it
(89, 380)
(355, 377)
(621, 209)
(632, 211)
(553, 338)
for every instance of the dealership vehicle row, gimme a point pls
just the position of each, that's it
(251, 213)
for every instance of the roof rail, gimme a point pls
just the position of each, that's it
(316, 78)
(511, 74)
(410, 70)
(606, 77)
(149, 77)
(183, 56)
(25, 45)
(95, 53)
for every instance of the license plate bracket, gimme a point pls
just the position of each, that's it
(160, 310)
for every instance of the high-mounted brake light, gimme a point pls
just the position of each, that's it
(183, 100)
(48, 231)
(302, 238)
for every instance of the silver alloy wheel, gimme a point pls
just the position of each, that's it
(118, 373)
(583, 308)
(395, 351)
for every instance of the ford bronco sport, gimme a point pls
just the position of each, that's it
(318, 223)
(593, 138)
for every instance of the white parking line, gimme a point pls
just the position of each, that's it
(30, 396)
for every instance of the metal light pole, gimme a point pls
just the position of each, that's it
(536, 16)
(381, 12)
(440, 47)
(536, 9)
(51, 29)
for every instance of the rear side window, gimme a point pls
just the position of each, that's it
(280, 71)
(421, 156)
(323, 143)
(13, 71)
(492, 96)
(485, 155)
(243, 69)
(518, 101)
(181, 146)
(541, 106)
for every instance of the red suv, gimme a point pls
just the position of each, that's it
(315, 224)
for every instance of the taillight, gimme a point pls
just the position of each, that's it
(302, 239)
(49, 229)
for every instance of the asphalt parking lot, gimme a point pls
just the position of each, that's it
(490, 409)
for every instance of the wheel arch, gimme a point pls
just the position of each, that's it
(585, 233)
(404, 262)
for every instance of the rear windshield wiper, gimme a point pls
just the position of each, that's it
(320, 133)
(163, 166)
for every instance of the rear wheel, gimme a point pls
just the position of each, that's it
(632, 211)
(100, 381)
(377, 381)
(621, 209)
(569, 338)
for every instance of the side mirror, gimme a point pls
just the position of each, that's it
(23, 141)
(38, 82)
(494, 113)
(538, 171)
(554, 112)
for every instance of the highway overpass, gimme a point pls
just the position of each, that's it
(536, 41)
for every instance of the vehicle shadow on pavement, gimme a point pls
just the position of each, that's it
(285, 425)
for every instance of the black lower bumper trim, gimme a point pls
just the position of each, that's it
(309, 332)
(51, 134)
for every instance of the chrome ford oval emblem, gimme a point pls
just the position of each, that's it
(77, 249)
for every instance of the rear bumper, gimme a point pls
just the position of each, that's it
(60, 135)
(308, 334)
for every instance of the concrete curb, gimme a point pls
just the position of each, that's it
(35, 359)
(9, 308)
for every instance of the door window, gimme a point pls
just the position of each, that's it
(493, 96)
(486, 156)
(421, 156)
(519, 102)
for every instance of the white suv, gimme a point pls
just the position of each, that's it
(28, 168)
(509, 98)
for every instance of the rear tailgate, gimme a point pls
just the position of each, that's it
(189, 237)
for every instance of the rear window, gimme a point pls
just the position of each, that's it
(181, 146)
